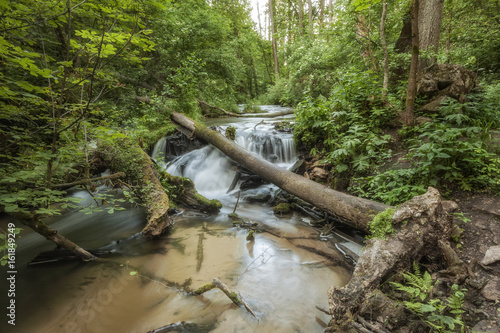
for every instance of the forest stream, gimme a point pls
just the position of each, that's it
(141, 285)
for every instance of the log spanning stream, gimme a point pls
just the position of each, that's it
(277, 274)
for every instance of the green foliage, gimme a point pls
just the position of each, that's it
(381, 225)
(455, 150)
(442, 315)
(392, 187)
(346, 129)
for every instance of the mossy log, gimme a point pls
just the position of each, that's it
(157, 201)
(141, 172)
(354, 211)
(421, 224)
(187, 196)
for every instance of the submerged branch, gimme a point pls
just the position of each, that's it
(216, 283)
(40, 227)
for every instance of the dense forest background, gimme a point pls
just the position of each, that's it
(76, 74)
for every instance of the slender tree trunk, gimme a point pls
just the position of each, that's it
(448, 33)
(351, 210)
(301, 17)
(258, 17)
(408, 115)
(385, 85)
(330, 10)
(273, 40)
(255, 80)
(309, 2)
(429, 28)
(321, 14)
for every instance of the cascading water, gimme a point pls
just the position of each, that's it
(212, 172)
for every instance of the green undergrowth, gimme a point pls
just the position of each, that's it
(455, 150)
(443, 313)
(347, 129)
(458, 148)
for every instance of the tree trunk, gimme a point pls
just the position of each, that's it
(321, 14)
(353, 211)
(330, 11)
(422, 223)
(408, 115)
(273, 40)
(301, 17)
(258, 17)
(429, 28)
(385, 85)
(157, 202)
(309, 2)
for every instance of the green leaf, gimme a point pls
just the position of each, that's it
(427, 308)
(341, 168)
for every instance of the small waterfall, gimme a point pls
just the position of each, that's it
(207, 167)
(213, 172)
(271, 147)
(169, 147)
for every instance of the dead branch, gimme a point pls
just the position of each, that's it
(87, 181)
(216, 283)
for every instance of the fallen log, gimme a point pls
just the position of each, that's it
(40, 227)
(204, 106)
(353, 211)
(187, 196)
(141, 172)
(422, 223)
(266, 115)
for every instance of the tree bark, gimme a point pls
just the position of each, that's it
(385, 85)
(407, 116)
(301, 17)
(273, 39)
(430, 15)
(309, 2)
(421, 223)
(321, 14)
(353, 211)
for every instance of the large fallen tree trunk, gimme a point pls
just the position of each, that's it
(423, 225)
(351, 210)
